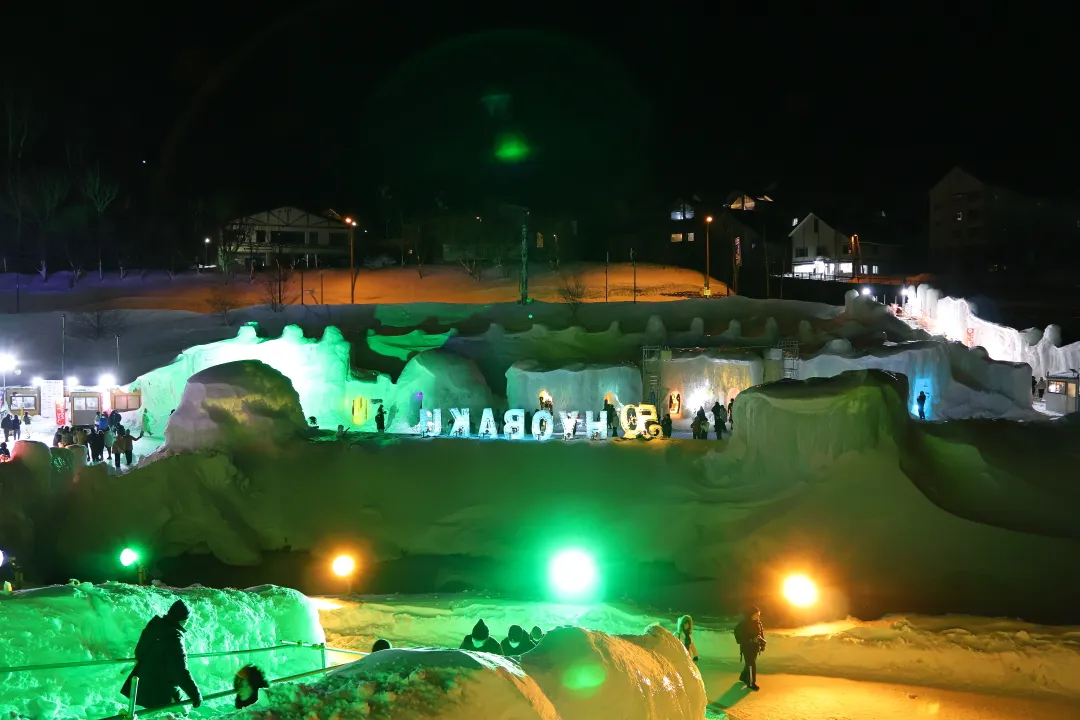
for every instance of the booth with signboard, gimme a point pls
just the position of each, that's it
(1061, 392)
(20, 399)
(83, 407)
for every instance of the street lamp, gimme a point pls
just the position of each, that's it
(708, 224)
(8, 363)
(206, 253)
(351, 224)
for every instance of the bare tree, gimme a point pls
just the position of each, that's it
(49, 192)
(99, 193)
(234, 237)
(473, 265)
(275, 287)
(18, 139)
(220, 301)
(98, 324)
(573, 292)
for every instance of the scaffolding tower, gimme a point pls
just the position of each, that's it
(790, 353)
(652, 357)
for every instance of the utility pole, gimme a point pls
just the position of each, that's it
(525, 258)
(117, 356)
(63, 342)
(708, 224)
(352, 262)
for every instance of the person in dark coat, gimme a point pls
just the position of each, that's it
(921, 402)
(4, 452)
(161, 663)
(6, 425)
(380, 419)
(114, 418)
(516, 642)
(665, 426)
(719, 418)
(481, 641)
(751, 638)
(16, 426)
(536, 634)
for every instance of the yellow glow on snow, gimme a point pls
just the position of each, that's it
(800, 591)
(320, 603)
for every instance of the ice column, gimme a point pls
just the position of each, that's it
(487, 424)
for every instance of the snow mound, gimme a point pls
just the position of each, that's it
(412, 684)
(76, 623)
(235, 403)
(437, 379)
(587, 674)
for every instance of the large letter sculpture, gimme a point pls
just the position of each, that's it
(596, 429)
(487, 425)
(542, 423)
(460, 428)
(569, 423)
(644, 425)
(431, 423)
(514, 424)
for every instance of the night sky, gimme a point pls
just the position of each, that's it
(321, 104)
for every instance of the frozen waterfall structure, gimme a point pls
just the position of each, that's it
(697, 378)
(241, 402)
(318, 369)
(573, 387)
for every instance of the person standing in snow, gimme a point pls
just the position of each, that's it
(685, 632)
(481, 641)
(751, 638)
(6, 425)
(161, 663)
(921, 402)
(516, 642)
(4, 452)
(16, 426)
(115, 419)
(380, 419)
(1041, 387)
(26, 422)
(719, 418)
(1034, 382)
(665, 426)
(102, 422)
(109, 435)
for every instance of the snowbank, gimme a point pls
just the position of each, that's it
(574, 387)
(589, 674)
(235, 403)
(74, 623)
(1007, 656)
(411, 685)
(573, 674)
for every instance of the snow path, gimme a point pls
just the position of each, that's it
(806, 697)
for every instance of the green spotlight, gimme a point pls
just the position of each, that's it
(128, 557)
(572, 573)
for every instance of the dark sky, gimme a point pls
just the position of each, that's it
(321, 103)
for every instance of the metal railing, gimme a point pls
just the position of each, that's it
(130, 714)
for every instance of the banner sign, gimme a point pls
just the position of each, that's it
(636, 421)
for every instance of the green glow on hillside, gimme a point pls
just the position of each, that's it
(511, 148)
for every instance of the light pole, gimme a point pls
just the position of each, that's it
(351, 224)
(206, 253)
(708, 224)
(8, 363)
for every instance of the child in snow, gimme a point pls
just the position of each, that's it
(684, 632)
(481, 641)
(247, 683)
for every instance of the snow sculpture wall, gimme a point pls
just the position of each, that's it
(437, 379)
(236, 403)
(701, 377)
(588, 674)
(318, 369)
(95, 622)
(986, 388)
(955, 319)
(574, 387)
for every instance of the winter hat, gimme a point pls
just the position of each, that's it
(516, 633)
(752, 610)
(178, 611)
(536, 633)
(480, 631)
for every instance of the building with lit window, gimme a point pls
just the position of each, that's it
(820, 251)
(983, 225)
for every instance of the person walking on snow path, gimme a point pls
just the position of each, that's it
(751, 638)
(921, 402)
(684, 631)
(719, 418)
(380, 419)
(161, 663)
(1041, 387)
(481, 641)
(6, 425)
(16, 426)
